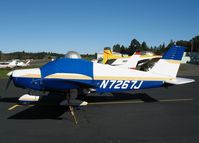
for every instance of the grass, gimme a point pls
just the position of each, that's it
(3, 73)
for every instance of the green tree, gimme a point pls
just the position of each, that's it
(123, 50)
(107, 48)
(134, 46)
(0, 55)
(171, 43)
(195, 44)
(186, 44)
(116, 48)
(144, 46)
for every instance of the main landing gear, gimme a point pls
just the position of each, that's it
(71, 109)
(71, 98)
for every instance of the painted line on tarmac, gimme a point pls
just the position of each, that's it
(119, 102)
(137, 102)
(13, 107)
(176, 100)
(17, 105)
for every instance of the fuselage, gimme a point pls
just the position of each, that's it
(63, 74)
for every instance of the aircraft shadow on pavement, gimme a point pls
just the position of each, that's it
(121, 97)
(49, 108)
(41, 112)
(9, 99)
(55, 99)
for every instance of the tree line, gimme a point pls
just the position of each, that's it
(28, 55)
(191, 46)
(40, 55)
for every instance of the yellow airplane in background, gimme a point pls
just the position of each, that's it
(125, 61)
(108, 55)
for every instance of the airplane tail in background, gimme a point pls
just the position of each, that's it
(169, 64)
(109, 55)
(27, 63)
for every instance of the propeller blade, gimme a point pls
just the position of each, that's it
(10, 73)
(9, 79)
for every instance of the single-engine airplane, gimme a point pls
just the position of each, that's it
(65, 75)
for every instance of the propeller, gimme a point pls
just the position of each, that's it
(9, 79)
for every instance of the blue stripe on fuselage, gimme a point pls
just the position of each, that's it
(122, 85)
(29, 83)
(51, 84)
(99, 85)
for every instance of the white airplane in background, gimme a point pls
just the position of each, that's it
(135, 61)
(14, 63)
(23, 64)
(8, 64)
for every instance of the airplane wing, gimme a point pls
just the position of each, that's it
(179, 80)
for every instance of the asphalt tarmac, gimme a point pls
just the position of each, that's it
(153, 115)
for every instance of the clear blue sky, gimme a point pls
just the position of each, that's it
(87, 26)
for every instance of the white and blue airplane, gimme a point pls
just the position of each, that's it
(65, 75)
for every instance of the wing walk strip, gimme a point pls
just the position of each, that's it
(115, 102)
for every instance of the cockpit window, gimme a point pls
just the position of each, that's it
(110, 61)
(148, 65)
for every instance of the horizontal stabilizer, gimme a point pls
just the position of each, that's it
(180, 80)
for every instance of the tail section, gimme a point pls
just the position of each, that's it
(169, 64)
